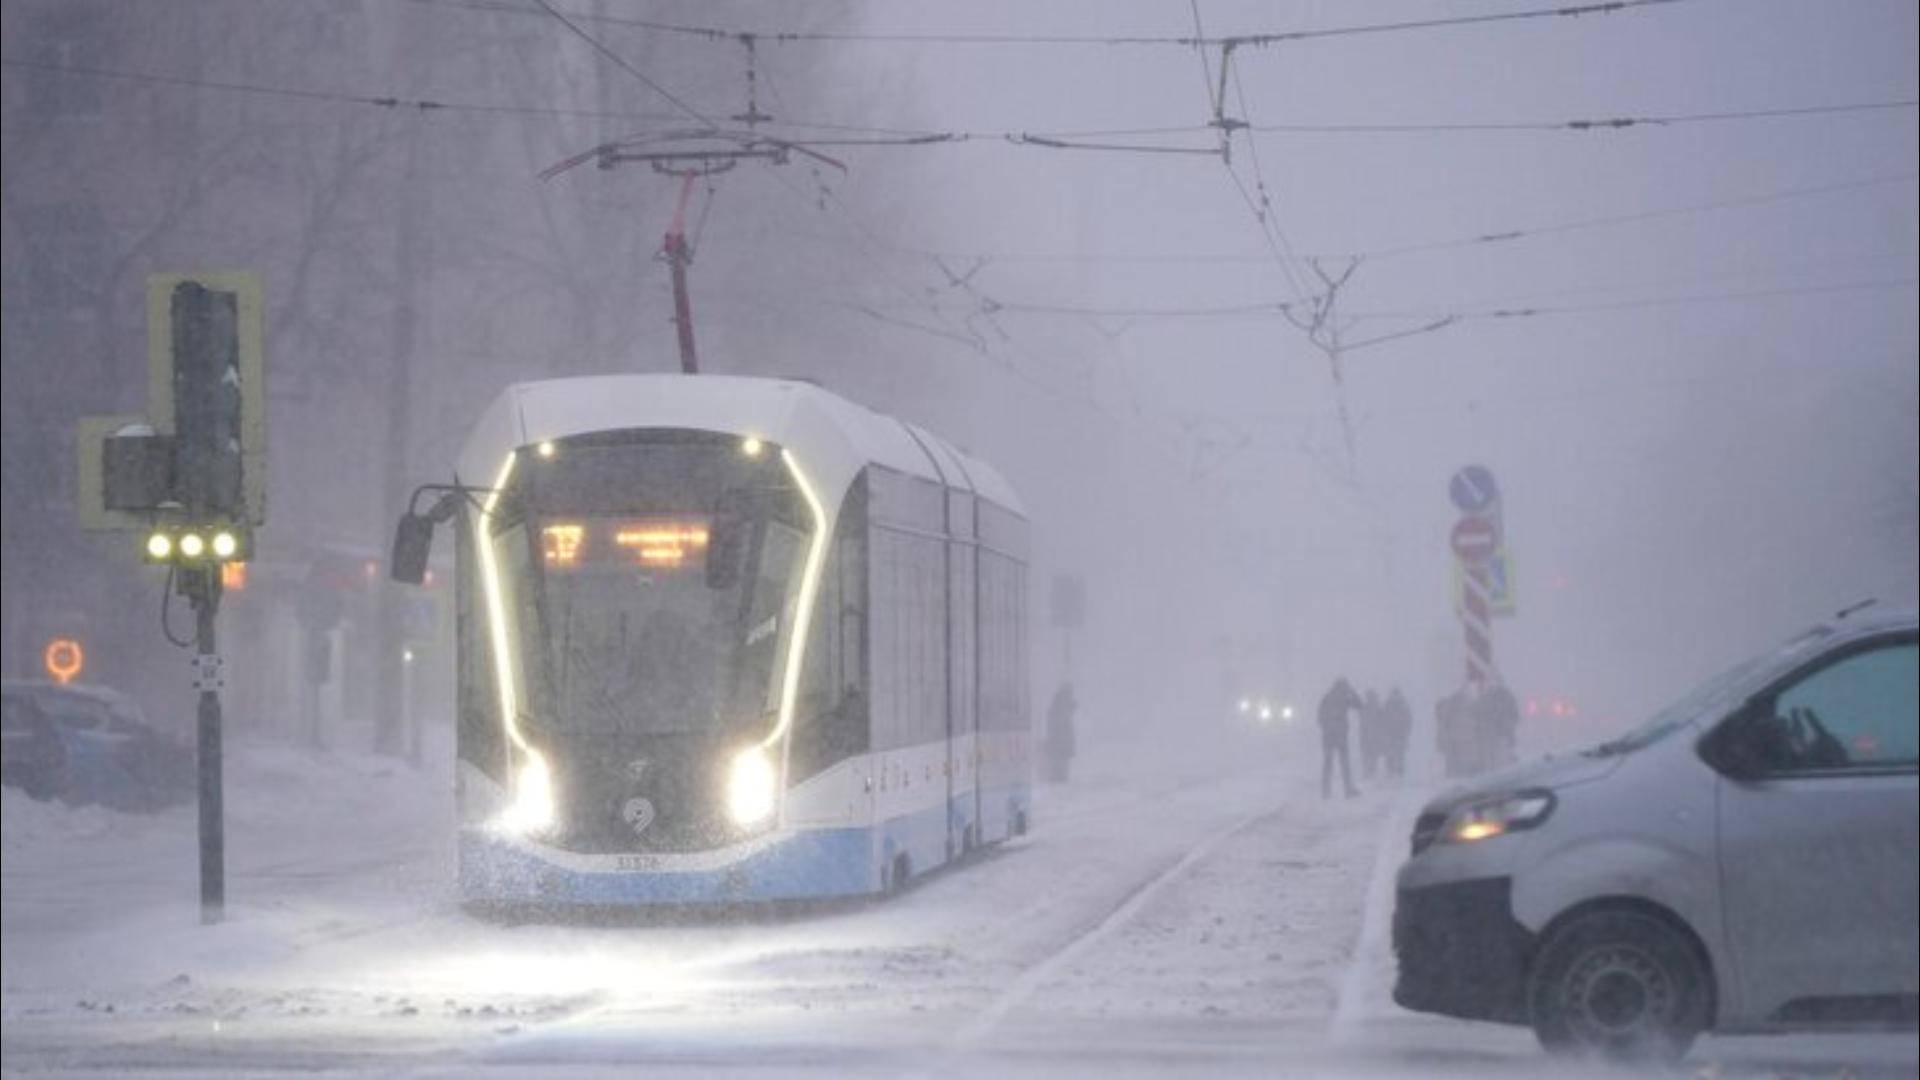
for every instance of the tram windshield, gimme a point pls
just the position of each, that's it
(651, 581)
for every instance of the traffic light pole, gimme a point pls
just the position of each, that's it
(203, 589)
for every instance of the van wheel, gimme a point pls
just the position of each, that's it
(1621, 985)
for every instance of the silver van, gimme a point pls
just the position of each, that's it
(1747, 860)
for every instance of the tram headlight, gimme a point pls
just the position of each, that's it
(532, 808)
(751, 784)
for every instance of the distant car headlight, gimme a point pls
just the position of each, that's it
(1266, 712)
(1484, 819)
(751, 787)
(532, 808)
(1286, 712)
(1246, 705)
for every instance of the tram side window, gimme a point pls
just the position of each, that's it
(908, 658)
(1003, 641)
(832, 724)
(992, 642)
(481, 739)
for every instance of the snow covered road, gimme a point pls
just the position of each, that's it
(1209, 915)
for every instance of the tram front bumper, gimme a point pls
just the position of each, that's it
(792, 865)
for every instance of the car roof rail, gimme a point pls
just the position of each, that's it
(1860, 605)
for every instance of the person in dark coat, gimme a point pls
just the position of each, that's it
(1398, 732)
(1060, 736)
(1339, 700)
(1373, 741)
(1499, 716)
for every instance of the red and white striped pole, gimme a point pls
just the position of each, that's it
(1475, 539)
(1476, 623)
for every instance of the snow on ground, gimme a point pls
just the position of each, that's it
(1192, 906)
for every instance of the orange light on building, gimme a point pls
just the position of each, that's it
(233, 576)
(663, 544)
(560, 544)
(64, 659)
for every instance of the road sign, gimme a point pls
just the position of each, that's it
(1475, 540)
(1497, 576)
(1473, 491)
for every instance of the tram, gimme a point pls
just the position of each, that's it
(727, 639)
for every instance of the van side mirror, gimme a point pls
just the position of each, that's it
(412, 544)
(1743, 747)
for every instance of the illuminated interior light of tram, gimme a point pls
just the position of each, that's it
(532, 806)
(809, 586)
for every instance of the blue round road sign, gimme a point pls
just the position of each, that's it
(1473, 490)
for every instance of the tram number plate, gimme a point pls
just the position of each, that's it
(638, 862)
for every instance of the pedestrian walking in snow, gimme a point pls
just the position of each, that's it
(1339, 700)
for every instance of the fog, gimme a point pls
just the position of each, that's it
(1652, 267)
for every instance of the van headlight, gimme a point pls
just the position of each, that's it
(751, 784)
(1484, 819)
(532, 808)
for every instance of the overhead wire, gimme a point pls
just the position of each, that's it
(1618, 123)
(1265, 38)
(1607, 221)
(879, 136)
(1270, 310)
(621, 63)
(1685, 300)
(1491, 237)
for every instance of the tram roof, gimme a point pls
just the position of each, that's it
(820, 426)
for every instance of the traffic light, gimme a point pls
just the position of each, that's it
(189, 477)
(206, 400)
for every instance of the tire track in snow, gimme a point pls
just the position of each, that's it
(1125, 909)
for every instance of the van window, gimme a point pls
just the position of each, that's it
(1862, 711)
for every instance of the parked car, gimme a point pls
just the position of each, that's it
(1748, 860)
(89, 744)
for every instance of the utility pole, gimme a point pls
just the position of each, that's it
(410, 210)
(202, 586)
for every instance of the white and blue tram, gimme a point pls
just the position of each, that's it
(730, 639)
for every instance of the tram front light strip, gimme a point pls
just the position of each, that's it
(809, 586)
(532, 804)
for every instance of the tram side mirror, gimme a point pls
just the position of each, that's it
(412, 544)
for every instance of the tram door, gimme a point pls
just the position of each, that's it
(963, 712)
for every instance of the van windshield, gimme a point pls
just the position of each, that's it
(1710, 695)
